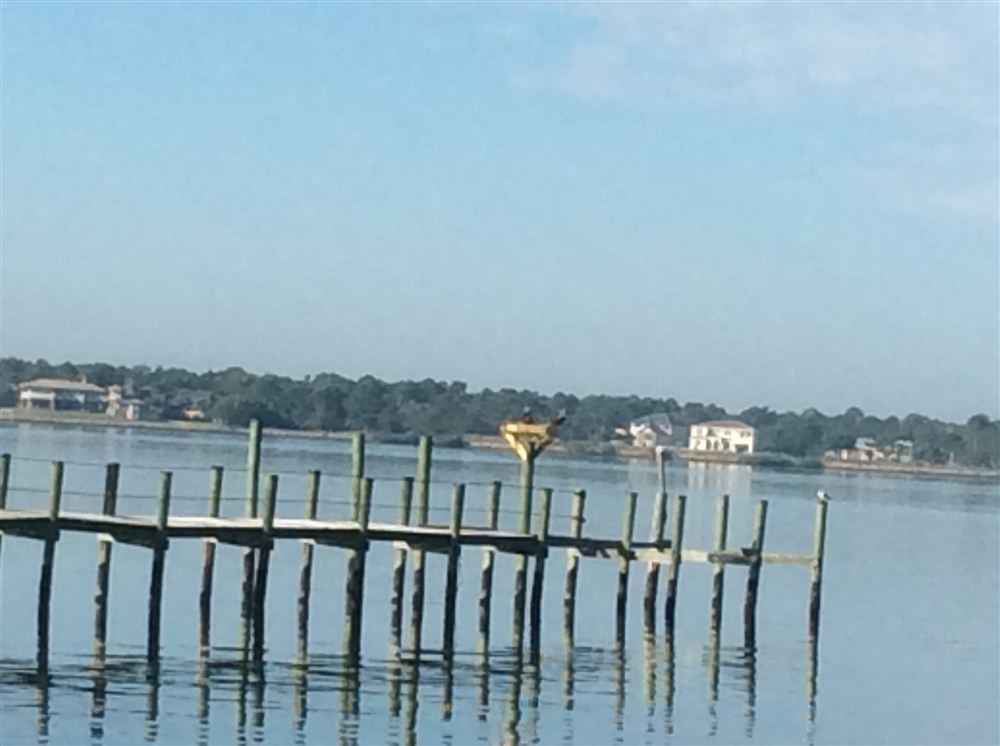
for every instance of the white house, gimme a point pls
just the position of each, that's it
(727, 436)
(120, 406)
(649, 431)
(60, 393)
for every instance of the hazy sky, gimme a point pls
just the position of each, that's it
(783, 204)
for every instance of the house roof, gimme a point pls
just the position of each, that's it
(64, 384)
(726, 423)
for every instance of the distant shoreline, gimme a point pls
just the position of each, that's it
(493, 442)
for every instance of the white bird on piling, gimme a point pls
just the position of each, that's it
(822, 496)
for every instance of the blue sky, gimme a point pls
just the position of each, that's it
(784, 204)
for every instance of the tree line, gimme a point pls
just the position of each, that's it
(329, 401)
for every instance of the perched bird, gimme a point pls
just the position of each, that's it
(822, 496)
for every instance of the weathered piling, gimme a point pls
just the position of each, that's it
(621, 598)
(357, 471)
(753, 575)
(521, 560)
(573, 567)
(489, 558)
(208, 566)
(423, 484)
(718, 568)
(355, 585)
(249, 553)
(674, 571)
(156, 572)
(263, 565)
(305, 570)
(48, 561)
(451, 573)
(4, 482)
(816, 579)
(653, 569)
(104, 563)
(399, 565)
(538, 582)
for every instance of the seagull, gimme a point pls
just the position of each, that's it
(822, 496)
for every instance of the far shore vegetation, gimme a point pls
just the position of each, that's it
(403, 409)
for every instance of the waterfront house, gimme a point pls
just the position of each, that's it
(649, 431)
(723, 436)
(121, 406)
(60, 394)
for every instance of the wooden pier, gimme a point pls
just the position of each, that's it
(412, 534)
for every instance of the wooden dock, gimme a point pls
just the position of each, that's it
(413, 534)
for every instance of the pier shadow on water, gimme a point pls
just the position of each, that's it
(498, 696)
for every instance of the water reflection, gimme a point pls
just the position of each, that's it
(502, 690)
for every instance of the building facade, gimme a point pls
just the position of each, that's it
(60, 394)
(723, 436)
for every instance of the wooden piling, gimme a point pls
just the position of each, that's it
(104, 563)
(653, 570)
(208, 566)
(4, 482)
(573, 567)
(156, 572)
(305, 571)
(357, 472)
(489, 557)
(451, 575)
(673, 574)
(538, 582)
(521, 560)
(355, 585)
(621, 605)
(263, 565)
(249, 553)
(718, 568)
(48, 562)
(399, 566)
(753, 576)
(423, 484)
(816, 579)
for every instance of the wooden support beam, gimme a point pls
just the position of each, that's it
(521, 561)
(621, 598)
(104, 563)
(719, 568)
(538, 582)
(399, 566)
(673, 574)
(653, 568)
(263, 565)
(451, 573)
(573, 567)
(208, 566)
(423, 484)
(489, 557)
(816, 575)
(753, 576)
(156, 572)
(48, 562)
(305, 570)
(355, 585)
(357, 472)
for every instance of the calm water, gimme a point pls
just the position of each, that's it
(909, 636)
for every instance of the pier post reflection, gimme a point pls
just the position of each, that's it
(669, 674)
(512, 722)
(152, 701)
(712, 665)
(99, 688)
(649, 671)
(483, 681)
(204, 683)
(412, 704)
(300, 701)
(619, 678)
(42, 703)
